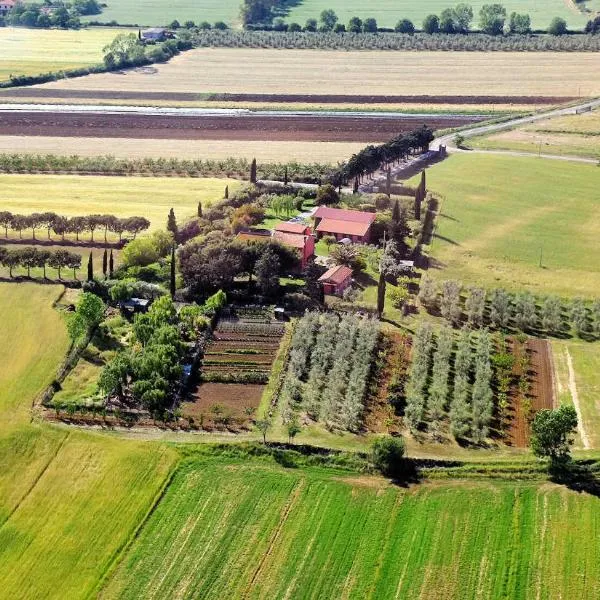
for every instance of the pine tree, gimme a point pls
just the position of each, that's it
(105, 263)
(172, 224)
(90, 268)
(253, 171)
(111, 265)
(200, 209)
(173, 282)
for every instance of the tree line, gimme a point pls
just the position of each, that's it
(493, 20)
(372, 158)
(502, 310)
(30, 258)
(396, 41)
(64, 16)
(77, 225)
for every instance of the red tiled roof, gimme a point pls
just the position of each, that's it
(343, 227)
(290, 239)
(336, 275)
(338, 214)
(291, 227)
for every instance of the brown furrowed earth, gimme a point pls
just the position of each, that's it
(238, 127)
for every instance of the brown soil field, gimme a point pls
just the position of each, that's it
(251, 127)
(541, 391)
(350, 99)
(270, 71)
(272, 152)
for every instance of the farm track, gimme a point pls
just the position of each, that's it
(244, 126)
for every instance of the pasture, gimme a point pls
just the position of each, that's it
(576, 135)
(149, 197)
(378, 73)
(263, 151)
(501, 215)
(155, 12)
(577, 367)
(259, 531)
(389, 12)
(36, 51)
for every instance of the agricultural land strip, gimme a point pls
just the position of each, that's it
(228, 70)
(254, 531)
(577, 367)
(36, 51)
(501, 215)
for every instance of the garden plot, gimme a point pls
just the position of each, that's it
(235, 370)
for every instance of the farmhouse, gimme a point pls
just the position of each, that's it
(6, 5)
(155, 34)
(336, 280)
(294, 235)
(351, 224)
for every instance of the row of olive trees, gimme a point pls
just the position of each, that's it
(31, 258)
(428, 399)
(500, 309)
(330, 362)
(61, 225)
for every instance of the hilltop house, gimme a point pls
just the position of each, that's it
(6, 5)
(336, 280)
(352, 224)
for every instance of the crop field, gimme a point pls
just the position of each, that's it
(577, 368)
(247, 530)
(155, 12)
(225, 70)
(271, 152)
(576, 135)
(71, 195)
(501, 215)
(36, 51)
(389, 12)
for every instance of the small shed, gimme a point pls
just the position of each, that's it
(336, 280)
(136, 305)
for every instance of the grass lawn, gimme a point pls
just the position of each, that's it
(499, 214)
(36, 51)
(389, 12)
(576, 135)
(248, 529)
(585, 362)
(155, 12)
(149, 197)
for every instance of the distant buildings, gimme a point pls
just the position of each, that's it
(351, 224)
(5, 6)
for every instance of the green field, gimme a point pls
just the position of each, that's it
(575, 135)
(36, 51)
(149, 197)
(584, 360)
(389, 12)
(499, 214)
(155, 12)
(254, 531)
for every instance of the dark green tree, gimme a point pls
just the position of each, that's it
(111, 264)
(388, 455)
(253, 171)
(172, 224)
(551, 433)
(105, 263)
(90, 268)
(173, 282)
(267, 273)
(226, 195)
(491, 19)
(200, 209)
(431, 24)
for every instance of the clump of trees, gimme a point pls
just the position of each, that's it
(64, 16)
(88, 314)
(61, 225)
(328, 371)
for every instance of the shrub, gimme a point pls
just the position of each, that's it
(388, 455)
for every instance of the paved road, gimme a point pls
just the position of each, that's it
(448, 140)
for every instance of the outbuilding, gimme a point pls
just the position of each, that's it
(336, 280)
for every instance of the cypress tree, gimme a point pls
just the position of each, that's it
(173, 271)
(253, 171)
(111, 265)
(105, 263)
(226, 192)
(355, 189)
(388, 183)
(423, 185)
(396, 212)
(381, 295)
(418, 201)
(172, 223)
(200, 209)
(90, 268)
(285, 176)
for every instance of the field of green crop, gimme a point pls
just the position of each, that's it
(155, 12)
(389, 12)
(500, 214)
(149, 197)
(36, 51)
(251, 531)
